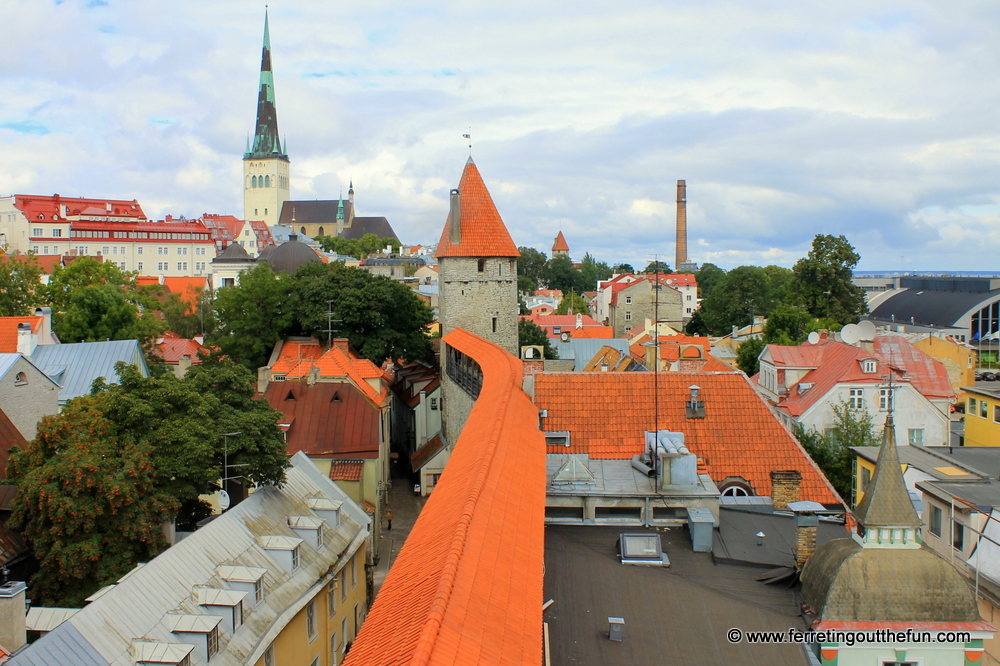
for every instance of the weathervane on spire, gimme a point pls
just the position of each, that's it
(469, 137)
(890, 398)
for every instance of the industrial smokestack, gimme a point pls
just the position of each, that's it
(682, 230)
(455, 218)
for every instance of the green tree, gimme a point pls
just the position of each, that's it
(779, 282)
(741, 295)
(105, 312)
(823, 281)
(531, 264)
(697, 324)
(20, 285)
(592, 271)
(832, 450)
(383, 319)
(574, 302)
(747, 356)
(708, 277)
(88, 502)
(787, 325)
(65, 281)
(562, 275)
(187, 321)
(526, 285)
(252, 316)
(623, 268)
(359, 248)
(530, 333)
(657, 267)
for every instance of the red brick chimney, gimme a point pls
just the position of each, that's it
(785, 486)
(341, 344)
(682, 228)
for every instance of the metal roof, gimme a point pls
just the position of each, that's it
(76, 365)
(47, 619)
(162, 596)
(932, 307)
(581, 350)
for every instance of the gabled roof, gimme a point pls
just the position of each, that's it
(560, 245)
(425, 453)
(483, 231)
(327, 419)
(8, 331)
(296, 358)
(188, 288)
(608, 413)
(927, 374)
(76, 365)
(669, 345)
(172, 348)
(467, 586)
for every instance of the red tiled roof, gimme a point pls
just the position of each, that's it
(483, 231)
(146, 280)
(423, 455)
(8, 331)
(593, 332)
(10, 437)
(679, 279)
(608, 413)
(328, 420)
(347, 470)
(188, 288)
(172, 348)
(549, 293)
(297, 358)
(467, 586)
(560, 245)
(927, 374)
(669, 345)
(566, 321)
(33, 206)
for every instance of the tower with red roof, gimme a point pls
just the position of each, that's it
(560, 248)
(265, 163)
(477, 285)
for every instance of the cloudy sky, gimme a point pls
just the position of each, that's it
(878, 120)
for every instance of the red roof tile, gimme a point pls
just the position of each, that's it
(171, 349)
(297, 358)
(483, 231)
(608, 413)
(8, 331)
(467, 586)
(328, 420)
(347, 470)
(560, 245)
(45, 208)
(188, 288)
(927, 374)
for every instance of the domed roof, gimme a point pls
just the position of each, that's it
(291, 256)
(266, 253)
(843, 581)
(233, 254)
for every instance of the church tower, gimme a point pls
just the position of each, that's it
(265, 164)
(478, 284)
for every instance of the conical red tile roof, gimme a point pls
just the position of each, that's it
(483, 232)
(560, 245)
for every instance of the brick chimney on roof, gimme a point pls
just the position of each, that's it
(341, 344)
(682, 233)
(785, 487)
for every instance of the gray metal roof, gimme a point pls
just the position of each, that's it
(75, 366)
(931, 307)
(144, 604)
(582, 350)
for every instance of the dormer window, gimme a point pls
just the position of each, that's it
(868, 366)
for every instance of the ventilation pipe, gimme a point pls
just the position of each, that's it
(455, 218)
(643, 467)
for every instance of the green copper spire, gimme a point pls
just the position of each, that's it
(340, 207)
(265, 141)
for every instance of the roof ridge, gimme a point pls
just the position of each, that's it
(449, 572)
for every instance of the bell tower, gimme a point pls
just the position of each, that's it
(265, 164)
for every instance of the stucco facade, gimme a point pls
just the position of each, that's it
(982, 417)
(263, 201)
(638, 302)
(26, 395)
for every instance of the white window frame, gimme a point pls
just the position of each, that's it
(311, 632)
(856, 398)
(295, 558)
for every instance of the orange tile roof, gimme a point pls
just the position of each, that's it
(560, 245)
(296, 359)
(607, 414)
(483, 231)
(188, 288)
(346, 470)
(927, 374)
(8, 331)
(467, 586)
(669, 345)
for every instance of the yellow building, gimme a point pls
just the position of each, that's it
(982, 416)
(959, 359)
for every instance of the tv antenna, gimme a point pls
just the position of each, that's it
(330, 321)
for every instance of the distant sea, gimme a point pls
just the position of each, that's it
(972, 274)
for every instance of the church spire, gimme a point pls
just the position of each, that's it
(266, 143)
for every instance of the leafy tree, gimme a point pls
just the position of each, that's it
(823, 280)
(526, 285)
(383, 319)
(186, 321)
(20, 285)
(531, 264)
(708, 277)
(82, 272)
(741, 295)
(359, 248)
(747, 355)
(592, 271)
(832, 451)
(697, 324)
(88, 502)
(779, 282)
(787, 325)
(183, 421)
(253, 316)
(105, 312)
(560, 274)
(530, 333)
(574, 302)
(657, 267)
(623, 268)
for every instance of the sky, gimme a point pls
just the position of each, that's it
(877, 121)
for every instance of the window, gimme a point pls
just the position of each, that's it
(494, 324)
(343, 589)
(866, 478)
(319, 537)
(34, 249)
(916, 436)
(114, 250)
(57, 233)
(884, 399)
(163, 250)
(123, 250)
(984, 409)
(242, 244)
(295, 558)
(269, 655)
(138, 250)
(689, 298)
(122, 265)
(331, 598)
(628, 316)
(199, 265)
(628, 300)
(182, 265)
(36, 232)
(996, 413)
(972, 406)
(213, 642)
(856, 399)
(315, 661)
(334, 648)
(251, 244)
(182, 250)
(238, 614)
(957, 535)
(868, 366)
(199, 251)
(161, 265)
(311, 620)
(354, 572)
(20, 379)
(935, 525)
(258, 590)
(105, 250)
(434, 404)
(482, 265)
(343, 629)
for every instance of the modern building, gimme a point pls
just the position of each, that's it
(266, 179)
(967, 308)
(278, 579)
(477, 260)
(982, 416)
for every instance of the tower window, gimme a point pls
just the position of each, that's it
(494, 324)
(482, 265)
(253, 181)
(267, 181)
(320, 231)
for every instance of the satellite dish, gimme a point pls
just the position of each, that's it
(813, 338)
(850, 334)
(868, 331)
(224, 499)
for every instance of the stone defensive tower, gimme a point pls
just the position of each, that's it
(265, 164)
(477, 260)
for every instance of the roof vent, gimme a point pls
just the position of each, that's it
(804, 387)
(336, 397)
(695, 407)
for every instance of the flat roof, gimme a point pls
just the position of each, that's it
(675, 615)
(616, 478)
(945, 463)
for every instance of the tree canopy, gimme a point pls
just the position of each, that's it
(708, 277)
(572, 301)
(530, 333)
(741, 295)
(531, 264)
(562, 275)
(657, 267)
(20, 285)
(252, 316)
(359, 248)
(832, 450)
(748, 354)
(823, 281)
(593, 271)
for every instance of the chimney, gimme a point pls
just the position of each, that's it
(455, 218)
(26, 340)
(806, 523)
(682, 232)
(13, 629)
(45, 328)
(785, 485)
(341, 344)
(695, 407)
(579, 321)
